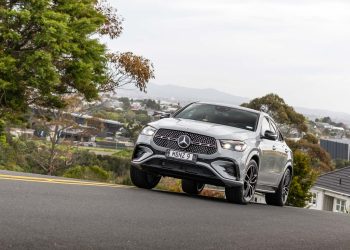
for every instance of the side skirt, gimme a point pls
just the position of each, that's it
(265, 189)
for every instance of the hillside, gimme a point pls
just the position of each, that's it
(185, 95)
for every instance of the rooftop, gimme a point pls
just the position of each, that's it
(338, 181)
(77, 115)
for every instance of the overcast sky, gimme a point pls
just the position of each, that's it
(297, 49)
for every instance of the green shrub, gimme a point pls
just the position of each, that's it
(20, 154)
(85, 158)
(94, 173)
(304, 177)
(120, 166)
(11, 167)
(74, 172)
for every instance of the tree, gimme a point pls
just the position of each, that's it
(127, 68)
(49, 49)
(303, 180)
(320, 159)
(57, 153)
(326, 120)
(283, 114)
(2, 132)
(152, 104)
(126, 103)
(331, 122)
(311, 138)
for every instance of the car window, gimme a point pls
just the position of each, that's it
(265, 125)
(273, 127)
(276, 130)
(218, 114)
(280, 136)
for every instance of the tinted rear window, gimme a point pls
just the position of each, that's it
(220, 115)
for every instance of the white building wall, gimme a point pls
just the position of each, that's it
(320, 193)
(341, 197)
(319, 199)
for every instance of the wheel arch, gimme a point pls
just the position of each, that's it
(289, 166)
(254, 155)
(256, 159)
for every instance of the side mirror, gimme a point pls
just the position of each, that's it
(165, 115)
(269, 135)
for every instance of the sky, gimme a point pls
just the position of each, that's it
(299, 49)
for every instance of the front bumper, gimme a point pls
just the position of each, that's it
(217, 169)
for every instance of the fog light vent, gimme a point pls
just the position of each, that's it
(138, 153)
(230, 169)
(227, 169)
(141, 153)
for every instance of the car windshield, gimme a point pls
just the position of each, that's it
(220, 115)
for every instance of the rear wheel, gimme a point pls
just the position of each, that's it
(244, 194)
(142, 179)
(192, 187)
(280, 197)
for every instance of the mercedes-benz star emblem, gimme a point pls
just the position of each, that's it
(184, 141)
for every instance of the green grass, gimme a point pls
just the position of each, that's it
(124, 153)
(94, 173)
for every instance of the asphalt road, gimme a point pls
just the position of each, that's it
(41, 213)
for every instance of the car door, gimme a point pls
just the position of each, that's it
(281, 151)
(268, 156)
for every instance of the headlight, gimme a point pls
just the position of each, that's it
(233, 145)
(148, 131)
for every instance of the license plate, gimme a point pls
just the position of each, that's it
(181, 155)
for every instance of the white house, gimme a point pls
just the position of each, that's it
(331, 191)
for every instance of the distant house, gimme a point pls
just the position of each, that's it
(339, 149)
(110, 103)
(17, 132)
(328, 126)
(323, 125)
(331, 191)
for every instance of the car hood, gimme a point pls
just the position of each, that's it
(211, 129)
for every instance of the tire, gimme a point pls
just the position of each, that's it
(142, 179)
(245, 193)
(192, 187)
(280, 197)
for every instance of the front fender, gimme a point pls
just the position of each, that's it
(254, 152)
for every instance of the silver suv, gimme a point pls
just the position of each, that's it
(223, 145)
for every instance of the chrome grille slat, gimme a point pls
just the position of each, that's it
(200, 144)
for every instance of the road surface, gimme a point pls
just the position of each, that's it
(38, 212)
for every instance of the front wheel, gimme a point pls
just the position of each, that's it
(142, 179)
(192, 187)
(244, 194)
(280, 197)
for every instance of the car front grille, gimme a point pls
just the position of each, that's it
(200, 144)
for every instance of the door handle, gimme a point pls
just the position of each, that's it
(274, 147)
